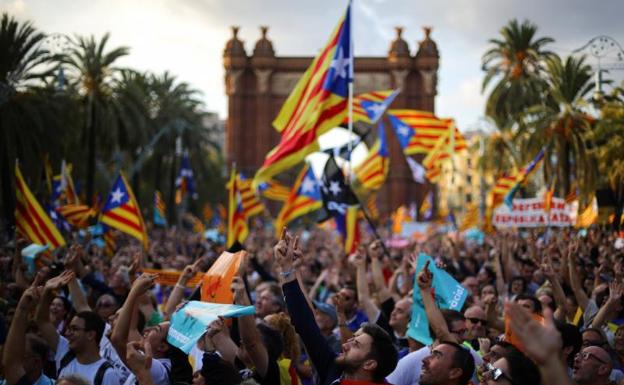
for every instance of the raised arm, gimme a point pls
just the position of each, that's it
(121, 331)
(250, 336)
(301, 314)
(542, 343)
(177, 294)
(558, 293)
(575, 280)
(218, 338)
(369, 307)
(616, 289)
(79, 300)
(139, 362)
(375, 252)
(46, 328)
(434, 316)
(15, 344)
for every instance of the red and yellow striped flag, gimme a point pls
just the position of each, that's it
(77, 215)
(122, 211)
(31, 220)
(237, 228)
(419, 131)
(317, 104)
(250, 201)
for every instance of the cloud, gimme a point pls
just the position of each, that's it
(187, 37)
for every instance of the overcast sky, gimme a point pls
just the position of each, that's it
(187, 37)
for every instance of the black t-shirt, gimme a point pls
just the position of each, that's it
(272, 375)
(23, 381)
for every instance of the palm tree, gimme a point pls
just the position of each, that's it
(515, 63)
(560, 125)
(28, 110)
(92, 72)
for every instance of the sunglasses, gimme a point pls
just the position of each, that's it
(477, 321)
(495, 373)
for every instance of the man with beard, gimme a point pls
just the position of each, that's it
(448, 364)
(368, 356)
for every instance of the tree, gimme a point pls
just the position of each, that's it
(92, 72)
(515, 63)
(608, 137)
(561, 126)
(29, 112)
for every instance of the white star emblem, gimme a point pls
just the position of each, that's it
(340, 64)
(334, 187)
(376, 110)
(117, 195)
(403, 130)
(307, 185)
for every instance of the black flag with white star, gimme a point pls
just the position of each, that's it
(337, 195)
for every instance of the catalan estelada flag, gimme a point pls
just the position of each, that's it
(77, 215)
(249, 199)
(160, 218)
(121, 211)
(373, 170)
(237, 229)
(317, 104)
(471, 217)
(369, 107)
(505, 183)
(274, 190)
(63, 190)
(185, 181)
(348, 226)
(522, 177)
(31, 220)
(548, 198)
(419, 131)
(110, 241)
(304, 198)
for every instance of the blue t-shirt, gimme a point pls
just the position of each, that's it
(358, 319)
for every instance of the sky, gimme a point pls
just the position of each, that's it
(187, 37)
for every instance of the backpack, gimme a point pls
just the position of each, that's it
(99, 375)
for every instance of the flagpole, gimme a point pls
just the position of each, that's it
(372, 225)
(350, 92)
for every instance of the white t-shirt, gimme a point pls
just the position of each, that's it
(88, 371)
(407, 371)
(159, 371)
(107, 351)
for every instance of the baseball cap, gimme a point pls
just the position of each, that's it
(326, 309)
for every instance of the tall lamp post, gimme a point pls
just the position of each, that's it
(602, 48)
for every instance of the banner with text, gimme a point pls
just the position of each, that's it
(530, 213)
(190, 322)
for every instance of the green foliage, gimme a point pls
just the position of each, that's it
(105, 119)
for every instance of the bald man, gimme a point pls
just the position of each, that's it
(592, 366)
(476, 322)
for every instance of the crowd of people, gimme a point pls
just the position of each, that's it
(543, 307)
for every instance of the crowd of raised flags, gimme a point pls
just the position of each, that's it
(319, 102)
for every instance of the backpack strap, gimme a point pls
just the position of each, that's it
(99, 375)
(67, 358)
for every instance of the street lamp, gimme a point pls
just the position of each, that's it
(602, 47)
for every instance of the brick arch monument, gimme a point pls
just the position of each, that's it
(258, 84)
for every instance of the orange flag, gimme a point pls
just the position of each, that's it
(218, 279)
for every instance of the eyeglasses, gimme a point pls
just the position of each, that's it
(495, 373)
(477, 321)
(587, 355)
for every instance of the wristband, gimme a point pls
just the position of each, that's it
(288, 273)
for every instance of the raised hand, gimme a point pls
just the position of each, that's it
(339, 303)
(217, 326)
(138, 361)
(541, 342)
(30, 298)
(375, 250)
(144, 283)
(616, 290)
(359, 257)
(283, 252)
(135, 265)
(425, 277)
(60, 280)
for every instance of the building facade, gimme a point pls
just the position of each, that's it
(257, 84)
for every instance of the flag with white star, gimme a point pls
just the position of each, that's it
(185, 181)
(122, 211)
(373, 170)
(317, 104)
(420, 131)
(304, 198)
(369, 107)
